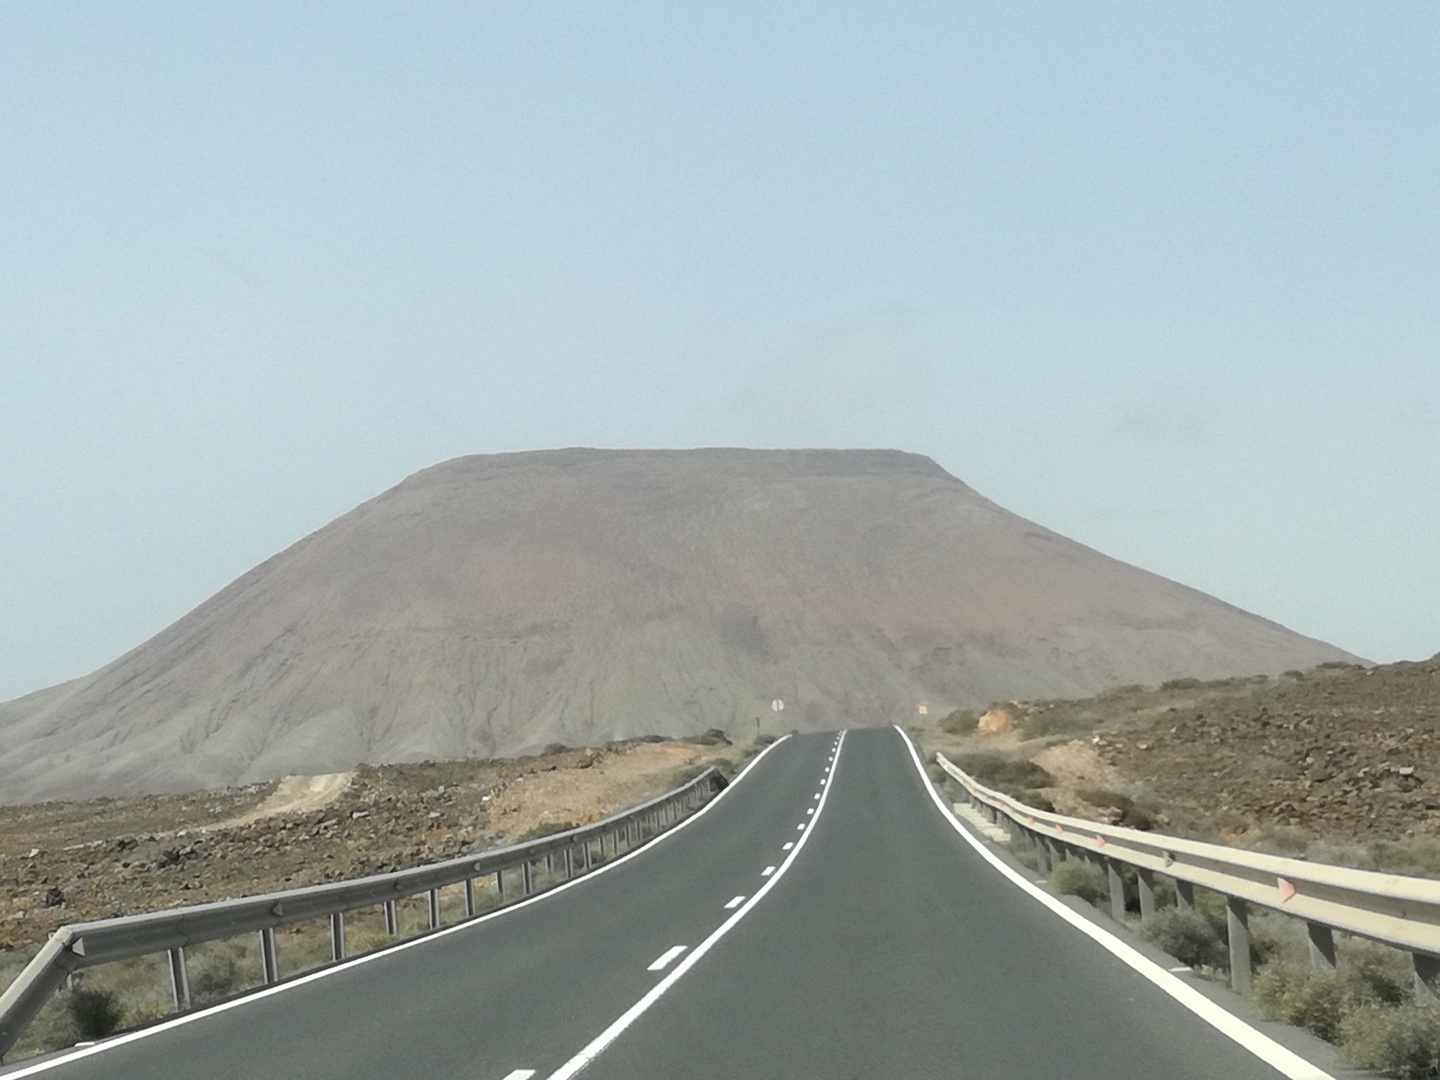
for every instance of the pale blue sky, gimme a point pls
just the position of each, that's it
(1165, 278)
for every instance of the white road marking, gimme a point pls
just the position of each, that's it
(663, 960)
(736, 902)
(1285, 1062)
(598, 1044)
(520, 1074)
(788, 845)
(767, 871)
(801, 826)
(381, 954)
(1185, 968)
(817, 794)
(810, 811)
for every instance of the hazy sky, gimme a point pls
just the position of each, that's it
(1165, 278)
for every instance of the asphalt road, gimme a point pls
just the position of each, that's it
(877, 944)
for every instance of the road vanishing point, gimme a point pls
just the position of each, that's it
(824, 917)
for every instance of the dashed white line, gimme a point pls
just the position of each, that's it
(736, 902)
(810, 811)
(767, 871)
(597, 1045)
(423, 942)
(788, 846)
(817, 794)
(801, 826)
(663, 961)
(520, 1074)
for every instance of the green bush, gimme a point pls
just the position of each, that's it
(1180, 684)
(1079, 878)
(1187, 936)
(997, 770)
(213, 977)
(960, 721)
(96, 1013)
(1311, 998)
(1403, 1042)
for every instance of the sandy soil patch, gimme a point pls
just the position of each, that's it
(1076, 766)
(297, 795)
(600, 783)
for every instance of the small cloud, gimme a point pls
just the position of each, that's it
(1164, 414)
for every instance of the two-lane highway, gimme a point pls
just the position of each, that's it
(523, 989)
(822, 918)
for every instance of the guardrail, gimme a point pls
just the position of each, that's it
(84, 945)
(1395, 910)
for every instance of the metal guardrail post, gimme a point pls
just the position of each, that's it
(569, 863)
(179, 979)
(392, 919)
(1427, 975)
(434, 909)
(500, 886)
(1237, 926)
(585, 855)
(527, 878)
(337, 935)
(269, 956)
(1117, 890)
(1184, 895)
(1042, 845)
(470, 910)
(1146, 879)
(1322, 945)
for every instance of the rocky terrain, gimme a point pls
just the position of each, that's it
(492, 605)
(70, 861)
(1339, 762)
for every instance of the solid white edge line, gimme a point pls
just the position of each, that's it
(597, 1045)
(661, 962)
(351, 963)
(730, 905)
(1286, 1062)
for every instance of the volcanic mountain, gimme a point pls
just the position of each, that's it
(491, 605)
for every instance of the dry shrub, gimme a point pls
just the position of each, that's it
(1127, 812)
(960, 722)
(1403, 1042)
(1317, 1000)
(1076, 877)
(1187, 936)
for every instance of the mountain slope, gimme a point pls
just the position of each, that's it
(494, 604)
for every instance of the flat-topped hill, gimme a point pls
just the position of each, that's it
(491, 605)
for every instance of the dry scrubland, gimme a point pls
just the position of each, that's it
(1338, 764)
(68, 862)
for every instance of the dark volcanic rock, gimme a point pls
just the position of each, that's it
(492, 605)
